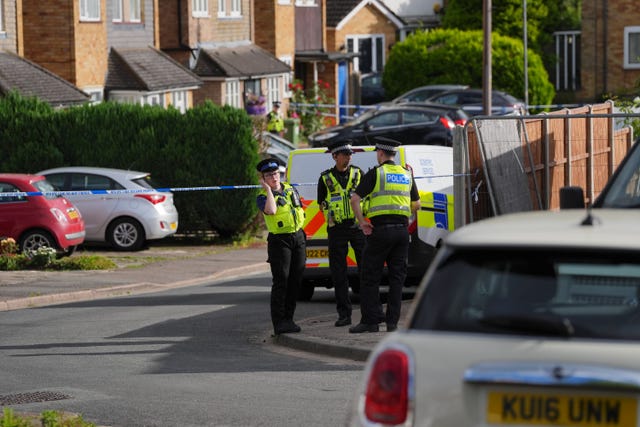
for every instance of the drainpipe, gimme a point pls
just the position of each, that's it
(181, 44)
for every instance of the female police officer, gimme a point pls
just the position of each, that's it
(284, 217)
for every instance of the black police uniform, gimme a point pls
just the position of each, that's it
(340, 234)
(286, 255)
(389, 242)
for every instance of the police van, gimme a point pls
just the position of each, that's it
(433, 171)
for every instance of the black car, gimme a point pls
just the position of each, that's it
(371, 89)
(407, 123)
(470, 100)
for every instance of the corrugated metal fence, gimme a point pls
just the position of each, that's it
(510, 164)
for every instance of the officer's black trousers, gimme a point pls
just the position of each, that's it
(340, 237)
(388, 243)
(287, 258)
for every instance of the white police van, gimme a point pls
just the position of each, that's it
(433, 171)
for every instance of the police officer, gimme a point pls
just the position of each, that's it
(284, 218)
(334, 191)
(275, 122)
(392, 198)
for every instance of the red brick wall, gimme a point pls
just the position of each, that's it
(602, 61)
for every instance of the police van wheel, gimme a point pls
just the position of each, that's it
(305, 293)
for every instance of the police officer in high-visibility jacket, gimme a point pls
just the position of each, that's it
(286, 243)
(335, 187)
(393, 198)
(275, 122)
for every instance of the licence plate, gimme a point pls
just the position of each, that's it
(173, 225)
(318, 253)
(562, 409)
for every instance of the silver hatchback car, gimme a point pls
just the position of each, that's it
(125, 220)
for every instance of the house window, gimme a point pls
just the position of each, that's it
(287, 77)
(222, 8)
(126, 98)
(236, 7)
(200, 8)
(306, 3)
(371, 50)
(155, 99)
(284, 1)
(126, 11)
(273, 90)
(89, 10)
(95, 93)
(232, 93)
(179, 101)
(632, 47)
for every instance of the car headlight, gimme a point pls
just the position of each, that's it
(324, 136)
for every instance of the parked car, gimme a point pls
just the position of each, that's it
(622, 190)
(470, 100)
(125, 220)
(409, 124)
(422, 93)
(371, 89)
(38, 220)
(522, 319)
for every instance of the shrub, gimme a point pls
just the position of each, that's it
(454, 56)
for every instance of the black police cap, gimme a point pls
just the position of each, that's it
(386, 144)
(341, 147)
(268, 165)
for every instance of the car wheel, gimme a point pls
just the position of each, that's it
(35, 239)
(126, 234)
(305, 293)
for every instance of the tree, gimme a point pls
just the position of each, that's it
(453, 56)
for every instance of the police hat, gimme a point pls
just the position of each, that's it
(386, 144)
(341, 147)
(276, 103)
(268, 165)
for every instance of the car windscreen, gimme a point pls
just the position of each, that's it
(624, 189)
(45, 186)
(573, 293)
(146, 182)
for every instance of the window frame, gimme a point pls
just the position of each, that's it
(236, 8)
(87, 7)
(273, 89)
(628, 33)
(129, 11)
(200, 8)
(222, 8)
(352, 41)
(232, 93)
(288, 77)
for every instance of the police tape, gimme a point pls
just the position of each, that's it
(166, 190)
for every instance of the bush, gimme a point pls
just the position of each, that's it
(46, 419)
(455, 57)
(209, 146)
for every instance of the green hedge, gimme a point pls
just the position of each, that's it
(454, 56)
(208, 146)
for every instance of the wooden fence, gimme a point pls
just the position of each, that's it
(580, 147)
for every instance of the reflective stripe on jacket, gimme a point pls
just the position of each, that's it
(392, 192)
(338, 206)
(289, 216)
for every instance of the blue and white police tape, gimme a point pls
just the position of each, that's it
(166, 190)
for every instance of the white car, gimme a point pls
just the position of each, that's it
(523, 319)
(125, 220)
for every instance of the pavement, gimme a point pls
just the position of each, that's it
(161, 267)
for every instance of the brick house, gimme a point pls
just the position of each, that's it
(23, 76)
(610, 49)
(107, 48)
(215, 40)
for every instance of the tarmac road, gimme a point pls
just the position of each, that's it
(166, 266)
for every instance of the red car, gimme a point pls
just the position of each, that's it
(38, 220)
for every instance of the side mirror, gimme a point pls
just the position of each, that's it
(571, 198)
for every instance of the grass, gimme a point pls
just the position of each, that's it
(45, 419)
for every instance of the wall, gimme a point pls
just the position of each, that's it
(602, 56)
(9, 40)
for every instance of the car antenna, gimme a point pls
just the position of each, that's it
(589, 220)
